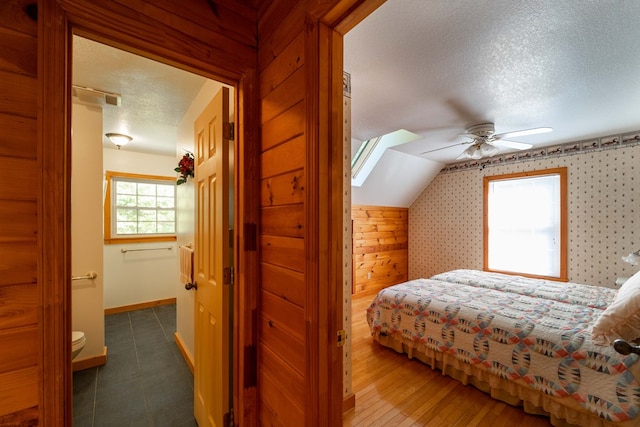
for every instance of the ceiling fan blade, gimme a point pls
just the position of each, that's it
(511, 144)
(525, 132)
(443, 148)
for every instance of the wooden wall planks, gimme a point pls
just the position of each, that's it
(35, 368)
(20, 299)
(380, 248)
(233, 42)
(281, 352)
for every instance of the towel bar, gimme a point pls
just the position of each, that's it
(89, 276)
(124, 251)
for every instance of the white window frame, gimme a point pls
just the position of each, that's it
(551, 238)
(110, 215)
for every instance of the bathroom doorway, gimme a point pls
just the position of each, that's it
(155, 105)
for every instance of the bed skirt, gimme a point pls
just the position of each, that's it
(565, 412)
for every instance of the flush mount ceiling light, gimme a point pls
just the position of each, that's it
(119, 139)
(479, 150)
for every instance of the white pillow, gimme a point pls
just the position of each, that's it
(621, 319)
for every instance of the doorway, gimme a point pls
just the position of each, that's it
(156, 105)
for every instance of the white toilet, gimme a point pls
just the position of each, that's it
(77, 343)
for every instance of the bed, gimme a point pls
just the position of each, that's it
(543, 345)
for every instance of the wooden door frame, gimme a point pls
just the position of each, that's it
(58, 20)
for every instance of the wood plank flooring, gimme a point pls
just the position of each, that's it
(392, 390)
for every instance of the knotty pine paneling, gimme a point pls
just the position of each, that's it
(13, 16)
(18, 136)
(278, 25)
(25, 417)
(19, 94)
(283, 314)
(24, 185)
(284, 96)
(19, 348)
(280, 371)
(217, 39)
(19, 306)
(283, 158)
(282, 66)
(20, 293)
(19, 390)
(16, 52)
(286, 252)
(18, 262)
(380, 248)
(282, 342)
(285, 220)
(282, 349)
(283, 282)
(18, 222)
(163, 30)
(276, 407)
(287, 125)
(232, 18)
(283, 189)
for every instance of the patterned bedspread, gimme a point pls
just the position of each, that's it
(573, 293)
(541, 341)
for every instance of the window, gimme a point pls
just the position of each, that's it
(525, 225)
(139, 208)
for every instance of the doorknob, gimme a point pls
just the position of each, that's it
(190, 286)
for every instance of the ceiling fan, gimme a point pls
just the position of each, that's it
(485, 142)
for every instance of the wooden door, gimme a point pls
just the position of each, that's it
(212, 307)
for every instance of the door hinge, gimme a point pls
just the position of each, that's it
(228, 419)
(228, 131)
(341, 337)
(228, 276)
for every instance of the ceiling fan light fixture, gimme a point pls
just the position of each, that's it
(488, 149)
(119, 139)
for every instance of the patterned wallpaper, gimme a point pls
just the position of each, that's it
(445, 221)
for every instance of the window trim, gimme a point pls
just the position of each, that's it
(562, 172)
(108, 238)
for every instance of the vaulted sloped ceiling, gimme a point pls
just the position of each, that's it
(436, 67)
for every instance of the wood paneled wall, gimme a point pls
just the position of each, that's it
(380, 248)
(301, 217)
(281, 350)
(289, 189)
(218, 40)
(20, 290)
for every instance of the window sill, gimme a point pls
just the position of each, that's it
(138, 239)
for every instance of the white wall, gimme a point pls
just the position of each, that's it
(86, 227)
(445, 222)
(140, 276)
(396, 180)
(185, 300)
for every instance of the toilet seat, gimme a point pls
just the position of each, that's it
(77, 340)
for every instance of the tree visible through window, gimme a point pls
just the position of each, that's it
(140, 207)
(525, 223)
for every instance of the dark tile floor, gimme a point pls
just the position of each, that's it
(145, 381)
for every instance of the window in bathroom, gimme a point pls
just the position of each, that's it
(139, 208)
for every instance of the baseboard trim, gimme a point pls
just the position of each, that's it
(90, 362)
(132, 307)
(348, 403)
(183, 349)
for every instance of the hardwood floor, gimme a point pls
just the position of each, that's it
(392, 390)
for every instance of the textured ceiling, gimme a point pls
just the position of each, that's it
(154, 96)
(434, 67)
